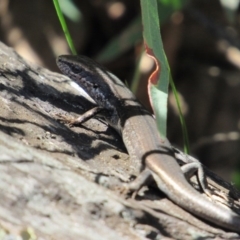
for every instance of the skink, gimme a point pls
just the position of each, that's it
(147, 150)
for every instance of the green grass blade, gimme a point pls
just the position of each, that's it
(64, 27)
(181, 117)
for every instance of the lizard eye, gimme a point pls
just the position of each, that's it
(75, 69)
(95, 85)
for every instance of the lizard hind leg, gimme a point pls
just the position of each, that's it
(144, 178)
(191, 166)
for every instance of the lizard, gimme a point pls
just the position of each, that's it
(152, 154)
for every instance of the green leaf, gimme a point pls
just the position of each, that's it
(159, 80)
(133, 32)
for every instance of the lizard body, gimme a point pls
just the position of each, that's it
(117, 104)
